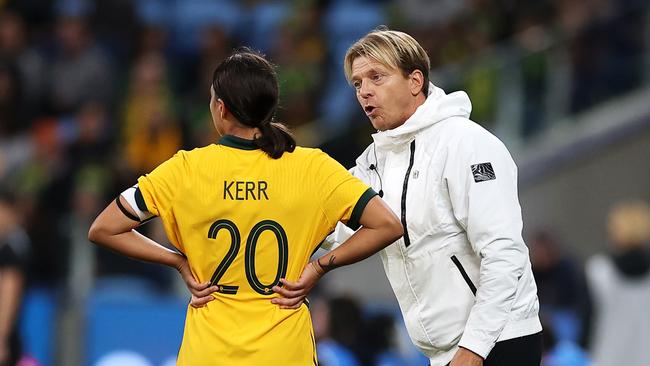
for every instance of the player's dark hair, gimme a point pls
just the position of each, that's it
(248, 86)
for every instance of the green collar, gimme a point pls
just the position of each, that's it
(237, 142)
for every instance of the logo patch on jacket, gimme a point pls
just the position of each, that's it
(483, 172)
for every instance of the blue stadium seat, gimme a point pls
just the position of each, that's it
(37, 324)
(131, 321)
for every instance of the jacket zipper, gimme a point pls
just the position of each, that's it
(464, 274)
(407, 240)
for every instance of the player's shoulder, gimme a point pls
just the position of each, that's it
(312, 158)
(196, 153)
(189, 159)
(207, 149)
(301, 152)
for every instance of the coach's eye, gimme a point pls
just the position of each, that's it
(356, 84)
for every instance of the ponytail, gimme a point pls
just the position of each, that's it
(276, 139)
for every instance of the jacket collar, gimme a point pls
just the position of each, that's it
(437, 107)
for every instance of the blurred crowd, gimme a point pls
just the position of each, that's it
(95, 93)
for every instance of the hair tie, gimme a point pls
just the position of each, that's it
(266, 123)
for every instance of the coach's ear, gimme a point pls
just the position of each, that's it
(416, 82)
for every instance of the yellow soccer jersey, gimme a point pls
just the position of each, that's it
(245, 220)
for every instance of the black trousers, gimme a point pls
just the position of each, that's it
(522, 351)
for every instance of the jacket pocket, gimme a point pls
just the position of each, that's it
(464, 274)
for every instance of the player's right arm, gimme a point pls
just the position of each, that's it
(114, 229)
(154, 195)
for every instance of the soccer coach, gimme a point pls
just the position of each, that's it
(461, 272)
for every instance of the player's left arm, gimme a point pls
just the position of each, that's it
(379, 228)
(114, 229)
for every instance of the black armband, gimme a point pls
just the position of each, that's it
(125, 211)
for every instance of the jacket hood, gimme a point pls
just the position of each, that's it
(437, 107)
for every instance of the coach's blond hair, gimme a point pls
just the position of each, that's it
(392, 49)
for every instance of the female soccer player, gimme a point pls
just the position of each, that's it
(245, 213)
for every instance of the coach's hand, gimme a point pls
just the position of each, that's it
(294, 293)
(465, 357)
(201, 292)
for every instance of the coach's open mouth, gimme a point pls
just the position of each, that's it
(369, 109)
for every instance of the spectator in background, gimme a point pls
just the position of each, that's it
(15, 50)
(299, 49)
(558, 352)
(151, 133)
(532, 38)
(619, 283)
(427, 13)
(380, 340)
(153, 39)
(215, 45)
(560, 285)
(14, 249)
(93, 137)
(81, 71)
(10, 106)
(42, 183)
(88, 196)
(606, 48)
(337, 327)
(346, 336)
(118, 40)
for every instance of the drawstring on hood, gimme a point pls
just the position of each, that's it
(437, 107)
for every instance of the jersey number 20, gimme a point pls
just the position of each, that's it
(249, 255)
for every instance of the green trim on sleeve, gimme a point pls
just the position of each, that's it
(139, 200)
(353, 223)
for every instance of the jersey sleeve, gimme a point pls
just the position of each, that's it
(159, 187)
(344, 196)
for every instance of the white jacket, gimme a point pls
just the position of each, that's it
(461, 273)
